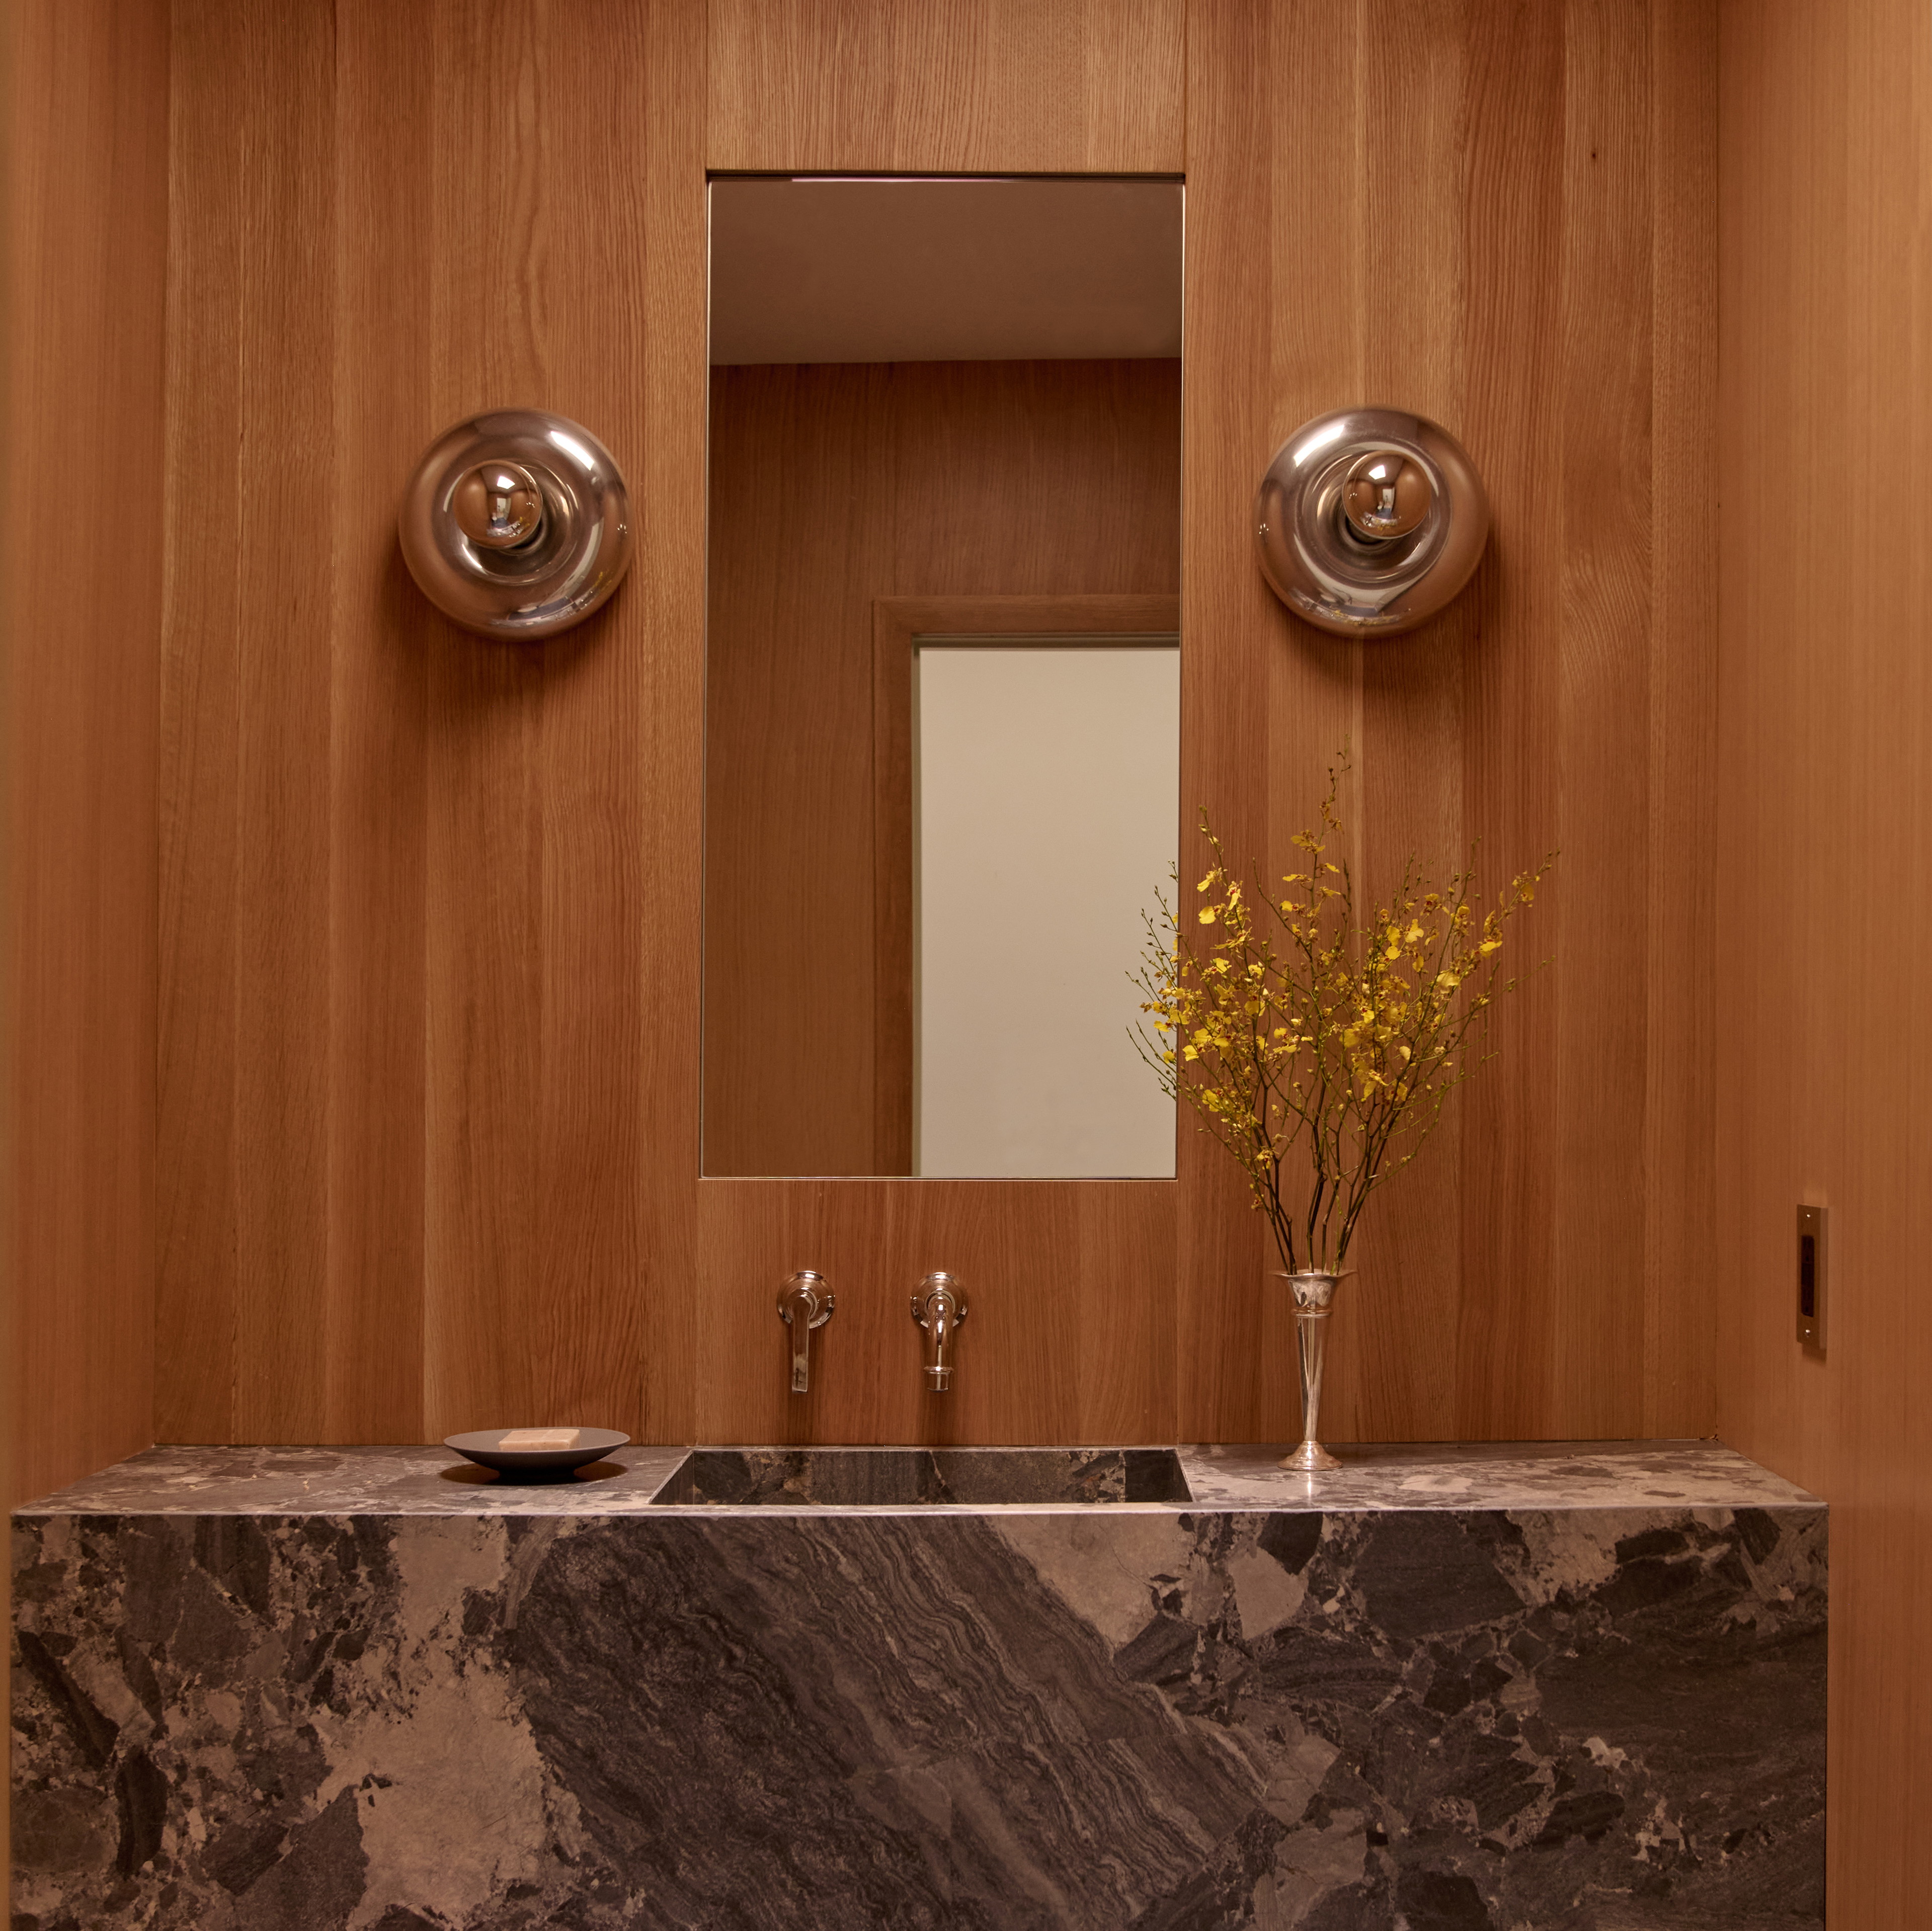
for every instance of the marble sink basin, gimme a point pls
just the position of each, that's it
(902, 1477)
(1461, 1687)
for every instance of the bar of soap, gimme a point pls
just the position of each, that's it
(541, 1438)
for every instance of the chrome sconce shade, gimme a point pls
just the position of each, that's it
(516, 524)
(1369, 521)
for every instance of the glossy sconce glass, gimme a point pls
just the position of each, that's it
(1369, 521)
(516, 524)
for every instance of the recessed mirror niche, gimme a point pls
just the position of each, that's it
(942, 728)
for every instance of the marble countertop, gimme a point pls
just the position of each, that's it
(434, 1481)
(1494, 1475)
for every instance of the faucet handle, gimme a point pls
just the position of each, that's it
(805, 1302)
(939, 1308)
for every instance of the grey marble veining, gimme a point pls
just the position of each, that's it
(470, 1711)
(437, 1481)
(1493, 1475)
(196, 1481)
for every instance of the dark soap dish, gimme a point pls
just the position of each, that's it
(485, 1446)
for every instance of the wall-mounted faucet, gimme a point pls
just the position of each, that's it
(939, 1308)
(805, 1302)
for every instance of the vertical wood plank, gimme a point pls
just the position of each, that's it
(385, 70)
(1680, 1017)
(1602, 723)
(284, 569)
(541, 839)
(603, 275)
(198, 1282)
(85, 291)
(1511, 1290)
(1266, 346)
(493, 201)
(671, 1316)
(1824, 813)
(1408, 729)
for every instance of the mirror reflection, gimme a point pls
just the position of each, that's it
(943, 673)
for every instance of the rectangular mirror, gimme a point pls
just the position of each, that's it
(942, 731)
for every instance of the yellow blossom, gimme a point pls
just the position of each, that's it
(1333, 1044)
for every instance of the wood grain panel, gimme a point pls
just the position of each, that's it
(1414, 229)
(246, 845)
(1511, 1293)
(672, 1315)
(1266, 346)
(1602, 972)
(84, 282)
(554, 782)
(282, 583)
(248, 849)
(1070, 1286)
(1481, 183)
(1824, 1045)
(969, 86)
(1680, 1254)
(408, 876)
(832, 488)
(378, 797)
(428, 1145)
(537, 794)
(198, 1286)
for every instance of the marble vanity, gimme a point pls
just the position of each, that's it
(1465, 1689)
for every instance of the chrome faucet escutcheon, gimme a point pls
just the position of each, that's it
(939, 1308)
(805, 1301)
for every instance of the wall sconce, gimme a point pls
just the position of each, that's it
(1369, 521)
(516, 524)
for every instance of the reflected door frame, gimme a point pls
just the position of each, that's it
(896, 623)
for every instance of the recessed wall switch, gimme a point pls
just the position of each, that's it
(1811, 1277)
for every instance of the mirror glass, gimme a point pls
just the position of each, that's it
(942, 724)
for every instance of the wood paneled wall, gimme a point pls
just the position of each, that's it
(429, 968)
(1824, 840)
(832, 486)
(1499, 215)
(428, 987)
(85, 88)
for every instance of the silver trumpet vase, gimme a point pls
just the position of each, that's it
(1314, 1298)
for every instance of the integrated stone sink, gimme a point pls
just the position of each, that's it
(902, 1477)
(1577, 1685)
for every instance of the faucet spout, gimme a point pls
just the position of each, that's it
(939, 1308)
(805, 1302)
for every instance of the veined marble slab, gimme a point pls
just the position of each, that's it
(193, 1481)
(252, 1694)
(438, 1482)
(1494, 1475)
